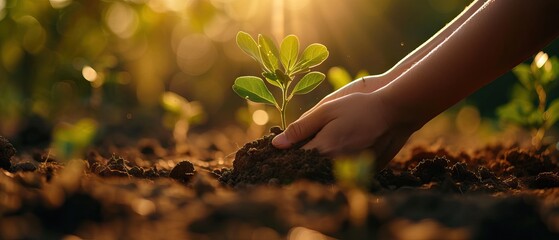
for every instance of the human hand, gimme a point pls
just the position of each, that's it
(351, 123)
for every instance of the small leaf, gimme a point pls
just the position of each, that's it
(272, 79)
(308, 83)
(282, 77)
(289, 52)
(248, 45)
(552, 113)
(549, 71)
(253, 89)
(269, 75)
(338, 77)
(516, 111)
(524, 74)
(268, 52)
(313, 55)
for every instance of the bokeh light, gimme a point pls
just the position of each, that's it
(89, 73)
(60, 3)
(2, 9)
(122, 19)
(540, 59)
(468, 120)
(260, 117)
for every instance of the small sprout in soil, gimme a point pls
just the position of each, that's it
(280, 67)
(69, 141)
(180, 114)
(530, 106)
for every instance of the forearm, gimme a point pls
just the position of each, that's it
(420, 52)
(372, 83)
(498, 36)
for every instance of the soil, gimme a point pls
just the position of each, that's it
(146, 192)
(259, 162)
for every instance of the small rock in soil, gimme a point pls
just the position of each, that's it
(183, 172)
(7, 151)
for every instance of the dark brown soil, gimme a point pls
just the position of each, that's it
(183, 171)
(7, 151)
(259, 162)
(497, 192)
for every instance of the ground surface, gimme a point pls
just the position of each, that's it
(151, 192)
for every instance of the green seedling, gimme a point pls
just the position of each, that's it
(280, 68)
(530, 106)
(71, 140)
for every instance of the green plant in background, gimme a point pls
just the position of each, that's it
(530, 105)
(280, 68)
(70, 140)
(180, 114)
(339, 77)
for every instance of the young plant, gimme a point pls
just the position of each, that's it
(530, 105)
(280, 68)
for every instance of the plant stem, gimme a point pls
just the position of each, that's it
(283, 107)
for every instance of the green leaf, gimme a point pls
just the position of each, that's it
(282, 77)
(517, 111)
(272, 79)
(313, 55)
(552, 113)
(550, 71)
(524, 74)
(308, 83)
(248, 45)
(268, 52)
(253, 89)
(289, 52)
(338, 77)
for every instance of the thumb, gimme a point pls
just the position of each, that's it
(301, 129)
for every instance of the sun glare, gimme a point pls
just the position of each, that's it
(540, 59)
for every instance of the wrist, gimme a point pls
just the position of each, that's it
(401, 113)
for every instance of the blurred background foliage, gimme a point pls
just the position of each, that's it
(132, 65)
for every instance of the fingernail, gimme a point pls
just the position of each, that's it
(280, 141)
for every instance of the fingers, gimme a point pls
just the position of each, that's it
(301, 129)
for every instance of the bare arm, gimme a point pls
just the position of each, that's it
(500, 35)
(420, 52)
(372, 83)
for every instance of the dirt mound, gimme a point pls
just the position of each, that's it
(7, 151)
(260, 162)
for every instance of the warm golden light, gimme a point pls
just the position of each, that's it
(301, 233)
(540, 59)
(89, 73)
(59, 3)
(122, 20)
(2, 7)
(143, 207)
(260, 117)
(468, 120)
